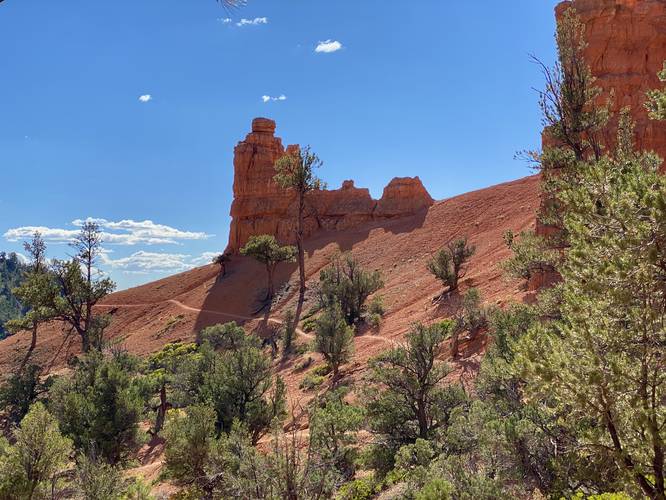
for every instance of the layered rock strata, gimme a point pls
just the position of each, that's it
(260, 206)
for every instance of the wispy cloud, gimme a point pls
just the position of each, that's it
(123, 232)
(145, 98)
(204, 258)
(328, 46)
(252, 22)
(225, 20)
(142, 261)
(267, 98)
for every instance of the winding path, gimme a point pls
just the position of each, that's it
(275, 321)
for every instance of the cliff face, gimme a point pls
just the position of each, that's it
(260, 206)
(626, 49)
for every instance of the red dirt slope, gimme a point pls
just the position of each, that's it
(147, 317)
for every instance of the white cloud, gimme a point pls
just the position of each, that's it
(328, 46)
(145, 98)
(141, 262)
(267, 98)
(225, 20)
(124, 232)
(252, 22)
(204, 258)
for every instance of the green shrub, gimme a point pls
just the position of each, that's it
(322, 370)
(359, 489)
(309, 324)
(376, 306)
(436, 489)
(189, 436)
(311, 381)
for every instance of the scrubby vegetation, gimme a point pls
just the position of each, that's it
(568, 402)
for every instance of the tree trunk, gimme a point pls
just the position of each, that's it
(33, 344)
(271, 288)
(455, 341)
(423, 420)
(161, 409)
(301, 251)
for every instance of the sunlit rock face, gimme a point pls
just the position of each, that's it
(260, 206)
(626, 49)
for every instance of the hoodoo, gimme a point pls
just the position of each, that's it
(260, 206)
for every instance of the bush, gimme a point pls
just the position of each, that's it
(436, 489)
(189, 436)
(376, 306)
(101, 405)
(311, 381)
(32, 466)
(19, 392)
(359, 489)
(347, 284)
(447, 264)
(224, 336)
(96, 479)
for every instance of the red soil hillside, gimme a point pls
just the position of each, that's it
(173, 309)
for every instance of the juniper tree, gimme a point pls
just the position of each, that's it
(334, 338)
(265, 249)
(447, 264)
(296, 171)
(408, 400)
(36, 293)
(346, 283)
(601, 365)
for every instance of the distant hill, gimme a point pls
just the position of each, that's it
(11, 273)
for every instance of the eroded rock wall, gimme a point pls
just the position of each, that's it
(626, 49)
(260, 206)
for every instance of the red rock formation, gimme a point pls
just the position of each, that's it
(626, 49)
(260, 206)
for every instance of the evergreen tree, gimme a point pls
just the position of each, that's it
(32, 466)
(36, 292)
(265, 249)
(334, 338)
(295, 171)
(447, 264)
(347, 284)
(409, 399)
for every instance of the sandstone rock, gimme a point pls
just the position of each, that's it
(403, 195)
(626, 49)
(261, 206)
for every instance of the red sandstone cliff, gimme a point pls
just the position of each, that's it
(626, 49)
(260, 206)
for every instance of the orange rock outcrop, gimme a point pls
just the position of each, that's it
(626, 49)
(260, 206)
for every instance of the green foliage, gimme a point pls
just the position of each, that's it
(358, 489)
(190, 435)
(297, 171)
(435, 489)
(311, 381)
(19, 391)
(610, 333)
(12, 272)
(334, 338)
(531, 254)
(346, 283)
(265, 249)
(333, 428)
(408, 400)
(225, 336)
(100, 406)
(32, 466)
(239, 385)
(97, 480)
(656, 103)
(288, 333)
(78, 288)
(447, 264)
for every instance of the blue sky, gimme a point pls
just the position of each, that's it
(433, 88)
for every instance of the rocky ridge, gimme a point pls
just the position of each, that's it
(260, 206)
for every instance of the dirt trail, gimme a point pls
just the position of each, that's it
(185, 307)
